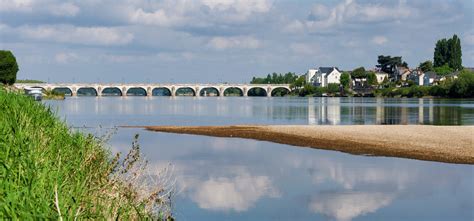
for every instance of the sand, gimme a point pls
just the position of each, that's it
(450, 144)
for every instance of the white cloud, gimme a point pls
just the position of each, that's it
(177, 13)
(246, 42)
(346, 206)
(77, 35)
(323, 18)
(16, 5)
(64, 9)
(379, 40)
(238, 193)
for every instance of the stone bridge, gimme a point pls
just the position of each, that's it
(99, 89)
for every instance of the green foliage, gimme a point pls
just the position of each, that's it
(333, 88)
(372, 78)
(300, 82)
(426, 66)
(275, 78)
(463, 86)
(345, 79)
(359, 73)
(8, 67)
(448, 52)
(48, 172)
(443, 70)
(388, 64)
(26, 81)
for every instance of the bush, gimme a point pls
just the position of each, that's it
(8, 67)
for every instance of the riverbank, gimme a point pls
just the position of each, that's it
(50, 172)
(450, 144)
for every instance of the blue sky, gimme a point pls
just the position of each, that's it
(221, 40)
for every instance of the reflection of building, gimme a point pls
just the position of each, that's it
(379, 111)
(324, 111)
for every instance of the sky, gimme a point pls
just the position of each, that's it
(211, 41)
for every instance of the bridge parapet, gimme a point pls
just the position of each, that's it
(148, 88)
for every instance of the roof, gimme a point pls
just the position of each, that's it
(327, 69)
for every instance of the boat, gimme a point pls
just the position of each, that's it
(35, 93)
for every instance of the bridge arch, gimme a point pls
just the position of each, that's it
(86, 91)
(257, 92)
(279, 91)
(233, 91)
(161, 91)
(136, 91)
(111, 91)
(185, 91)
(62, 90)
(209, 92)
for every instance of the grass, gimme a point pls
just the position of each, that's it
(48, 171)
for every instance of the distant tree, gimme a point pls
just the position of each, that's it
(448, 51)
(426, 66)
(298, 83)
(443, 70)
(8, 67)
(371, 78)
(275, 78)
(359, 73)
(345, 79)
(333, 88)
(389, 64)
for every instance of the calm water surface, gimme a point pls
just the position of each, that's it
(238, 179)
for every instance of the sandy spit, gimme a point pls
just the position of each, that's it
(450, 144)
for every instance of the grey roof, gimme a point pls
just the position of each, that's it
(327, 69)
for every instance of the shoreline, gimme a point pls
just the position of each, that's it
(448, 144)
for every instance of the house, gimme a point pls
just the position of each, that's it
(326, 75)
(310, 75)
(401, 73)
(451, 76)
(429, 78)
(417, 76)
(381, 76)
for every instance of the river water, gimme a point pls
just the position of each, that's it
(239, 179)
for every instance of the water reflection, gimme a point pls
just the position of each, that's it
(313, 111)
(237, 179)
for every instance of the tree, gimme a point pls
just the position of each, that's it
(8, 67)
(359, 73)
(448, 51)
(345, 79)
(388, 64)
(426, 66)
(443, 70)
(372, 78)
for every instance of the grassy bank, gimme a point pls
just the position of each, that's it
(49, 172)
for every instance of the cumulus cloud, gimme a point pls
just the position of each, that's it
(64, 9)
(77, 35)
(322, 18)
(238, 193)
(346, 206)
(52, 7)
(245, 42)
(379, 40)
(178, 13)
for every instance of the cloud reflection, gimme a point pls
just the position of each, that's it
(347, 205)
(238, 193)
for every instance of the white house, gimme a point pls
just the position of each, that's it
(310, 75)
(326, 75)
(417, 76)
(381, 76)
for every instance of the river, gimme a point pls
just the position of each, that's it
(238, 179)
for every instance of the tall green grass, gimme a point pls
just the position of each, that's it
(49, 172)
